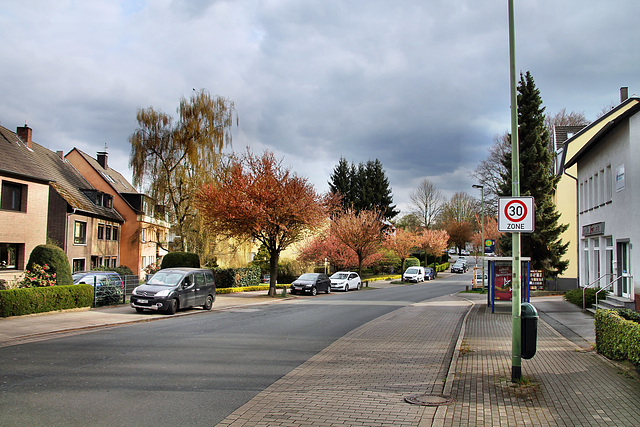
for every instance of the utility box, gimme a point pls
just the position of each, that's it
(529, 330)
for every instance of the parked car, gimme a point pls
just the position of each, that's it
(109, 286)
(311, 283)
(464, 252)
(345, 281)
(171, 289)
(459, 267)
(429, 273)
(476, 279)
(413, 274)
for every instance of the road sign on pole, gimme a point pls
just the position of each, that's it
(516, 215)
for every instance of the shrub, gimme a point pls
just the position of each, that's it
(616, 337)
(411, 262)
(237, 277)
(18, 302)
(39, 275)
(123, 270)
(180, 259)
(55, 259)
(574, 296)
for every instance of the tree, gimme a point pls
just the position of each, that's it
(461, 207)
(544, 245)
(490, 171)
(402, 243)
(360, 231)
(255, 197)
(340, 256)
(410, 222)
(427, 202)
(173, 160)
(433, 242)
(460, 232)
(364, 187)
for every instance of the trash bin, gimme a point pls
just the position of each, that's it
(529, 330)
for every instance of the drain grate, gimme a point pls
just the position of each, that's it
(429, 399)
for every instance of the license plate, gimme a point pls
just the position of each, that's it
(142, 301)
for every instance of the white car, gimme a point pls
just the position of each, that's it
(413, 274)
(345, 281)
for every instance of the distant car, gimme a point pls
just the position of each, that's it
(429, 273)
(109, 286)
(311, 283)
(171, 289)
(413, 274)
(464, 252)
(345, 281)
(459, 267)
(476, 280)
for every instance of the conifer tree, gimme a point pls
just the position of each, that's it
(544, 245)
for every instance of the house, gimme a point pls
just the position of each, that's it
(24, 199)
(569, 140)
(604, 165)
(145, 231)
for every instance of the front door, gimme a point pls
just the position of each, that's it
(623, 286)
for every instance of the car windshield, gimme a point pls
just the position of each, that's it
(308, 276)
(340, 276)
(412, 270)
(427, 270)
(162, 278)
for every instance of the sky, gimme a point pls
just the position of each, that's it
(421, 85)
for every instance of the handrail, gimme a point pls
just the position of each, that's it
(584, 289)
(611, 283)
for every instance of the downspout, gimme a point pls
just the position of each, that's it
(577, 225)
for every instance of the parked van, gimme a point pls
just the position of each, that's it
(413, 274)
(476, 279)
(171, 289)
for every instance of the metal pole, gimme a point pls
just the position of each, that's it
(482, 252)
(516, 366)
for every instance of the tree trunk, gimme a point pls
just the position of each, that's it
(273, 272)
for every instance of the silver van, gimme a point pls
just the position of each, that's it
(172, 289)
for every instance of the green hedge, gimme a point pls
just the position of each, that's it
(18, 302)
(180, 259)
(237, 277)
(616, 337)
(411, 262)
(574, 296)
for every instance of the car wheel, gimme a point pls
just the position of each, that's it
(346, 287)
(208, 303)
(359, 286)
(173, 306)
(139, 310)
(314, 291)
(328, 291)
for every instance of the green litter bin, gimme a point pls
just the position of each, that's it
(529, 330)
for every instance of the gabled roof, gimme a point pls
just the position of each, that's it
(18, 160)
(111, 176)
(607, 128)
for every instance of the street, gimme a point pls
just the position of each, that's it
(191, 370)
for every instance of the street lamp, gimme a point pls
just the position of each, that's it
(481, 187)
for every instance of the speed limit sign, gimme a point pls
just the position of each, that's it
(516, 214)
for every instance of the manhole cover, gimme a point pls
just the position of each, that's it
(429, 399)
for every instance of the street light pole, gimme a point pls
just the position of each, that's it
(481, 187)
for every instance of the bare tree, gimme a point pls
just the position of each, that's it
(427, 202)
(488, 172)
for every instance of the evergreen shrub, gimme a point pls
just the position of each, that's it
(574, 296)
(616, 337)
(56, 261)
(18, 302)
(411, 262)
(180, 259)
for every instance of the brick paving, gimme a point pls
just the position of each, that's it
(446, 346)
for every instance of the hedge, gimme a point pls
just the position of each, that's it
(574, 296)
(18, 302)
(237, 277)
(180, 259)
(618, 338)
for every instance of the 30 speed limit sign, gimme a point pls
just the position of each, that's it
(516, 214)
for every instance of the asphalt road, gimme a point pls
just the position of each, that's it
(191, 370)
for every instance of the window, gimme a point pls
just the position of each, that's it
(581, 198)
(114, 232)
(107, 234)
(100, 231)
(586, 263)
(114, 262)
(78, 264)
(14, 196)
(143, 262)
(596, 191)
(8, 256)
(601, 187)
(80, 233)
(608, 184)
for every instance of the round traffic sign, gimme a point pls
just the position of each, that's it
(515, 210)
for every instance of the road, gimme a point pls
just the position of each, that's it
(190, 370)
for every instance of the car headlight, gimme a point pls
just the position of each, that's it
(164, 293)
(135, 291)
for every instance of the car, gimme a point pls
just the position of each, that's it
(345, 281)
(413, 274)
(109, 286)
(476, 280)
(464, 252)
(311, 283)
(429, 273)
(172, 289)
(459, 267)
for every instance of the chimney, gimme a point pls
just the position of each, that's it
(102, 159)
(25, 133)
(60, 154)
(624, 94)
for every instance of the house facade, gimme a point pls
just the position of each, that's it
(569, 141)
(608, 195)
(144, 232)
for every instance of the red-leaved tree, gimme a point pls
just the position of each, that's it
(402, 243)
(433, 242)
(360, 231)
(256, 197)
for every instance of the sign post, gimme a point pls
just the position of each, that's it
(516, 215)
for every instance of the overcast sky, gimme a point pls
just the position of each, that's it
(422, 85)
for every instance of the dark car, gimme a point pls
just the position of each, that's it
(171, 289)
(429, 273)
(459, 267)
(311, 283)
(109, 286)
